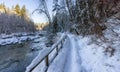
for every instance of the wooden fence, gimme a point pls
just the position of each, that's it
(44, 55)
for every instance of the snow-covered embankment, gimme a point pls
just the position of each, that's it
(17, 38)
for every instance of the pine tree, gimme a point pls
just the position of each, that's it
(3, 8)
(23, 11)
(17, 10)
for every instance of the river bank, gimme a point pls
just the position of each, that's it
(18, 50)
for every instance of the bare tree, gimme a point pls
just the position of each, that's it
(86, 15)
(61, 16)
(42, 8)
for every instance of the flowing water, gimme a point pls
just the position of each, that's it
(15, 58)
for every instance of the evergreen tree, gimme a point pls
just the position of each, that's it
(23, 11)
(3, 8)
(17, 9)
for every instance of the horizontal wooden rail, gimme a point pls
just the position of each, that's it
(44, 55)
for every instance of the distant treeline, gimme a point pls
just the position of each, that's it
(15, 20)
(41, 26)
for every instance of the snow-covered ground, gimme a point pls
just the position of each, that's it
(102, 55)
(68, 59)
(90, 54)
(85, 55)
(42, 54)
(18, 37)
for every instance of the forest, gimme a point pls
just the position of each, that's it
(80, 17)
(83, 17)
(15, 20)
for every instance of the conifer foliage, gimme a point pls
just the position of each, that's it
(15, 19)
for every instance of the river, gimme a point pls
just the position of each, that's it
(15, 58)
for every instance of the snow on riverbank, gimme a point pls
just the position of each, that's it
(18, 37)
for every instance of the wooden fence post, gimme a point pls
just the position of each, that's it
(47, 61)
(57, 50)
(61, 44)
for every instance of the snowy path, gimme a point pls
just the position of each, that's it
(68, 59)
(90, 53)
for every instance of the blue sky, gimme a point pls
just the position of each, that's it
(31, 5)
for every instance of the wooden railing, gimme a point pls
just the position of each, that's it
(44, 55)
